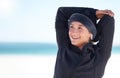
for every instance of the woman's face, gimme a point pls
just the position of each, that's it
(78, 34)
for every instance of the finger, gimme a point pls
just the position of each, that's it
(107, 11)
(104, 12)
(110, 13)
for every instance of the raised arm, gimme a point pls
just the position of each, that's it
(106, 36)
(61, 23)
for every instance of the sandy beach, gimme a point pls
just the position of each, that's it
(42, 66)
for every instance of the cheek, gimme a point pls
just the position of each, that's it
(69, 33)
(85, 36)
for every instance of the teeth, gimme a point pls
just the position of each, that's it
(75, 37)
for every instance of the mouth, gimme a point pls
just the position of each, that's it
(75, 38)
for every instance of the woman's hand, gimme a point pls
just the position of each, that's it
(101, 13)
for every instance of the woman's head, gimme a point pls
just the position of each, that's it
(81, 29)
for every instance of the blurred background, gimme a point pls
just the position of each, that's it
(28, 46)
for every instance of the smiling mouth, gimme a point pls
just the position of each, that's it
(75, 38)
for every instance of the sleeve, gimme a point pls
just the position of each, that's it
(106, 36)
(61, 22)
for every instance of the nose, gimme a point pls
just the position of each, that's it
(76, 32)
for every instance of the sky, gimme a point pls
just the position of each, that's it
(33, 20)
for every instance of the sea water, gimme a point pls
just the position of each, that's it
(28, 48)
(35, 48)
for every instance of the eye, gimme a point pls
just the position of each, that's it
(71, 26)
(79, 28)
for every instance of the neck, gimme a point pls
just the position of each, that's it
(81, 46)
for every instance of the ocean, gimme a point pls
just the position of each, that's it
(28, 48)
(35, 48)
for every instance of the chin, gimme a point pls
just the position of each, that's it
(75, 44)
(78, 44)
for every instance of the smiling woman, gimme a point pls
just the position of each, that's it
(77, 57)
(79, 34)
(81, 30)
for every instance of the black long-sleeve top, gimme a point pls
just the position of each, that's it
(89, 62)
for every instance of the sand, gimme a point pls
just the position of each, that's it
(42, 66)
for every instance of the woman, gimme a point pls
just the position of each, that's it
(76, 31)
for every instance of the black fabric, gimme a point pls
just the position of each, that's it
(89, 62)
(85, 21)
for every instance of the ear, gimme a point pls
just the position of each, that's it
(91, 37)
